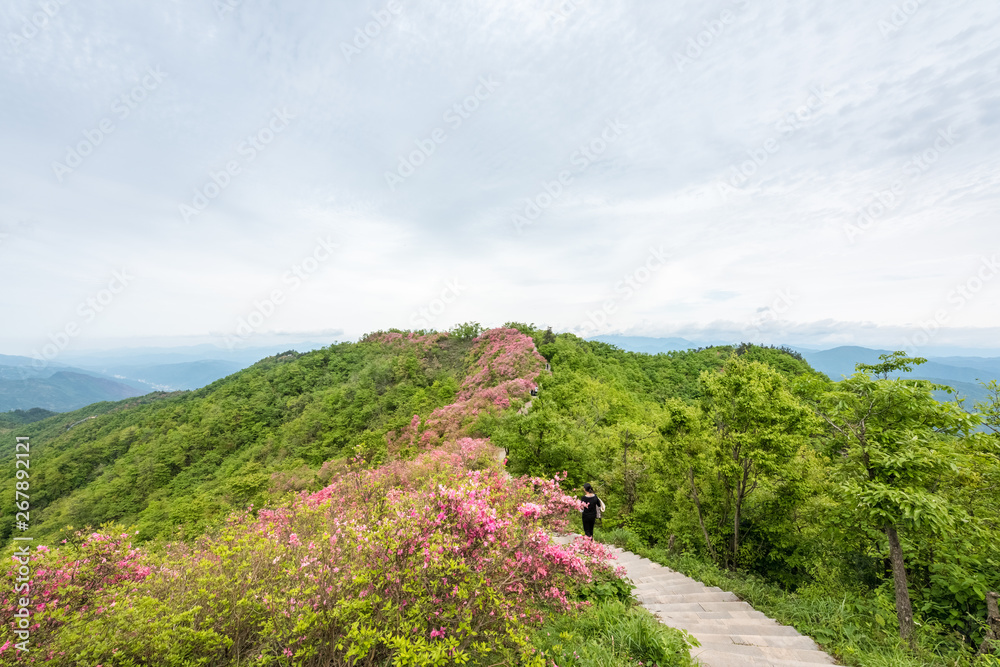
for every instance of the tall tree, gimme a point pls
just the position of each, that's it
(759, 426)
(894, 443)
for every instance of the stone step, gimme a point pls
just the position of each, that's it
(758, 628)
(699, 597)
(664, 575)
(799, 642)
(715, 658)
(765, 654)
(731, 632)
(675, 589)
(696, 615)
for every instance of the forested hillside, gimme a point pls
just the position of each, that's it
(750, 462)
(356, 490)
(167, 460)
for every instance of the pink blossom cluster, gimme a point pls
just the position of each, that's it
(502, 368)
(422, 341)
(89, 573)
(432, 525)
(499, 355)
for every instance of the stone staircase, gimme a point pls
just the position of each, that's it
(730, 631)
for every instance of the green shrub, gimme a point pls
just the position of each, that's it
(612, 634)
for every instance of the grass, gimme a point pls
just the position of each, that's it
(612, 634)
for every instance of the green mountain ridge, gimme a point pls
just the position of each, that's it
(183, 457)
(718, 454)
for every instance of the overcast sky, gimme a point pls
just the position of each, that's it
(229, 171)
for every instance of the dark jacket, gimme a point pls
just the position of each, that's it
(593, 502)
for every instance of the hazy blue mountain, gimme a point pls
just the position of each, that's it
(172, 377)
(840, 361)
(156, 356)
(987, 364)
(61, 391)
(115, 374)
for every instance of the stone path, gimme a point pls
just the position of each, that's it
(731, 632)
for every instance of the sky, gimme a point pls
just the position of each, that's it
(237, 171)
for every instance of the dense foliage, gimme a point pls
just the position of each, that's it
(15, 418)
(754, 463)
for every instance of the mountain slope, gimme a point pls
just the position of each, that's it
(185, 458)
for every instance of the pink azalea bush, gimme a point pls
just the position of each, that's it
(422, 558)
(502, 368)
(499, 355)
(87, 576)
(405, 339)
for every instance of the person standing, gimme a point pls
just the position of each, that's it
(590, 511)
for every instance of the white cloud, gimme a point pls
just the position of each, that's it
(564, 69)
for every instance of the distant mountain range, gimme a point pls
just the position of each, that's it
(963, 374)
(116, 374)
(113, 375)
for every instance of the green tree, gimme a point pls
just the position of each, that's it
(895, 440)
(759, 427)
(466, 330)
(990, 408)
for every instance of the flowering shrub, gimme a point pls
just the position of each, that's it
(86, 577)
(409, 338)
(502, 368)
(425, 559)
(499, 355)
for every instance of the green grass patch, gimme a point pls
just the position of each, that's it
(612, 634)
